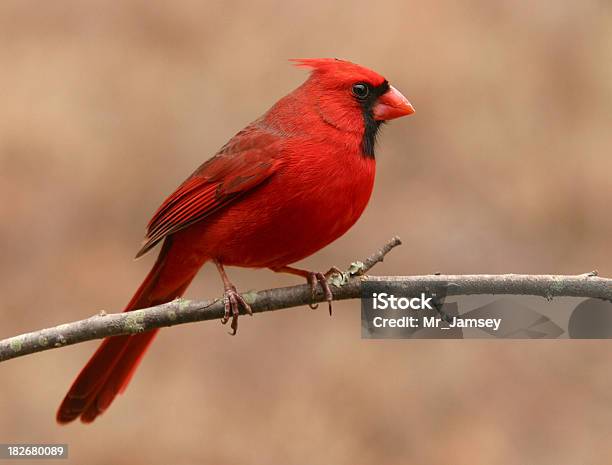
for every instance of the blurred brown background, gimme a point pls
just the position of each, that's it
(105, 107)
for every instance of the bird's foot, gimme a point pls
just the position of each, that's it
(313, 278)
(232, 303)
(321, 278)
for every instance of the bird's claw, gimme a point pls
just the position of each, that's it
(313, 279)
(232, 301)
(332, 271)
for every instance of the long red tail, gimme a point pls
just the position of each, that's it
(110, 369)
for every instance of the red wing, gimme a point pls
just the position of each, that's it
(242, 164)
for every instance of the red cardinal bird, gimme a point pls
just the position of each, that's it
(284, 187)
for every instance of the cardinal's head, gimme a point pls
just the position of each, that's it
(352, 98)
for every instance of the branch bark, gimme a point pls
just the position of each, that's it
(346, 286)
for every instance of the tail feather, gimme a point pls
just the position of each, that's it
(110, 369)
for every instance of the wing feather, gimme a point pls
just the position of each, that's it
(250, 158)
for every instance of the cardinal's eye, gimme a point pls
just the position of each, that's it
(360, 90)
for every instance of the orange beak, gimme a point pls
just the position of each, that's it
(392, 104)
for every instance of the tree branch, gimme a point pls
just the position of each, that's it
(348, 285)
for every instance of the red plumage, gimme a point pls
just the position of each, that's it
(284, 187)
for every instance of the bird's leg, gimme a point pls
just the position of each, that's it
(313, 278)
(232, 301)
